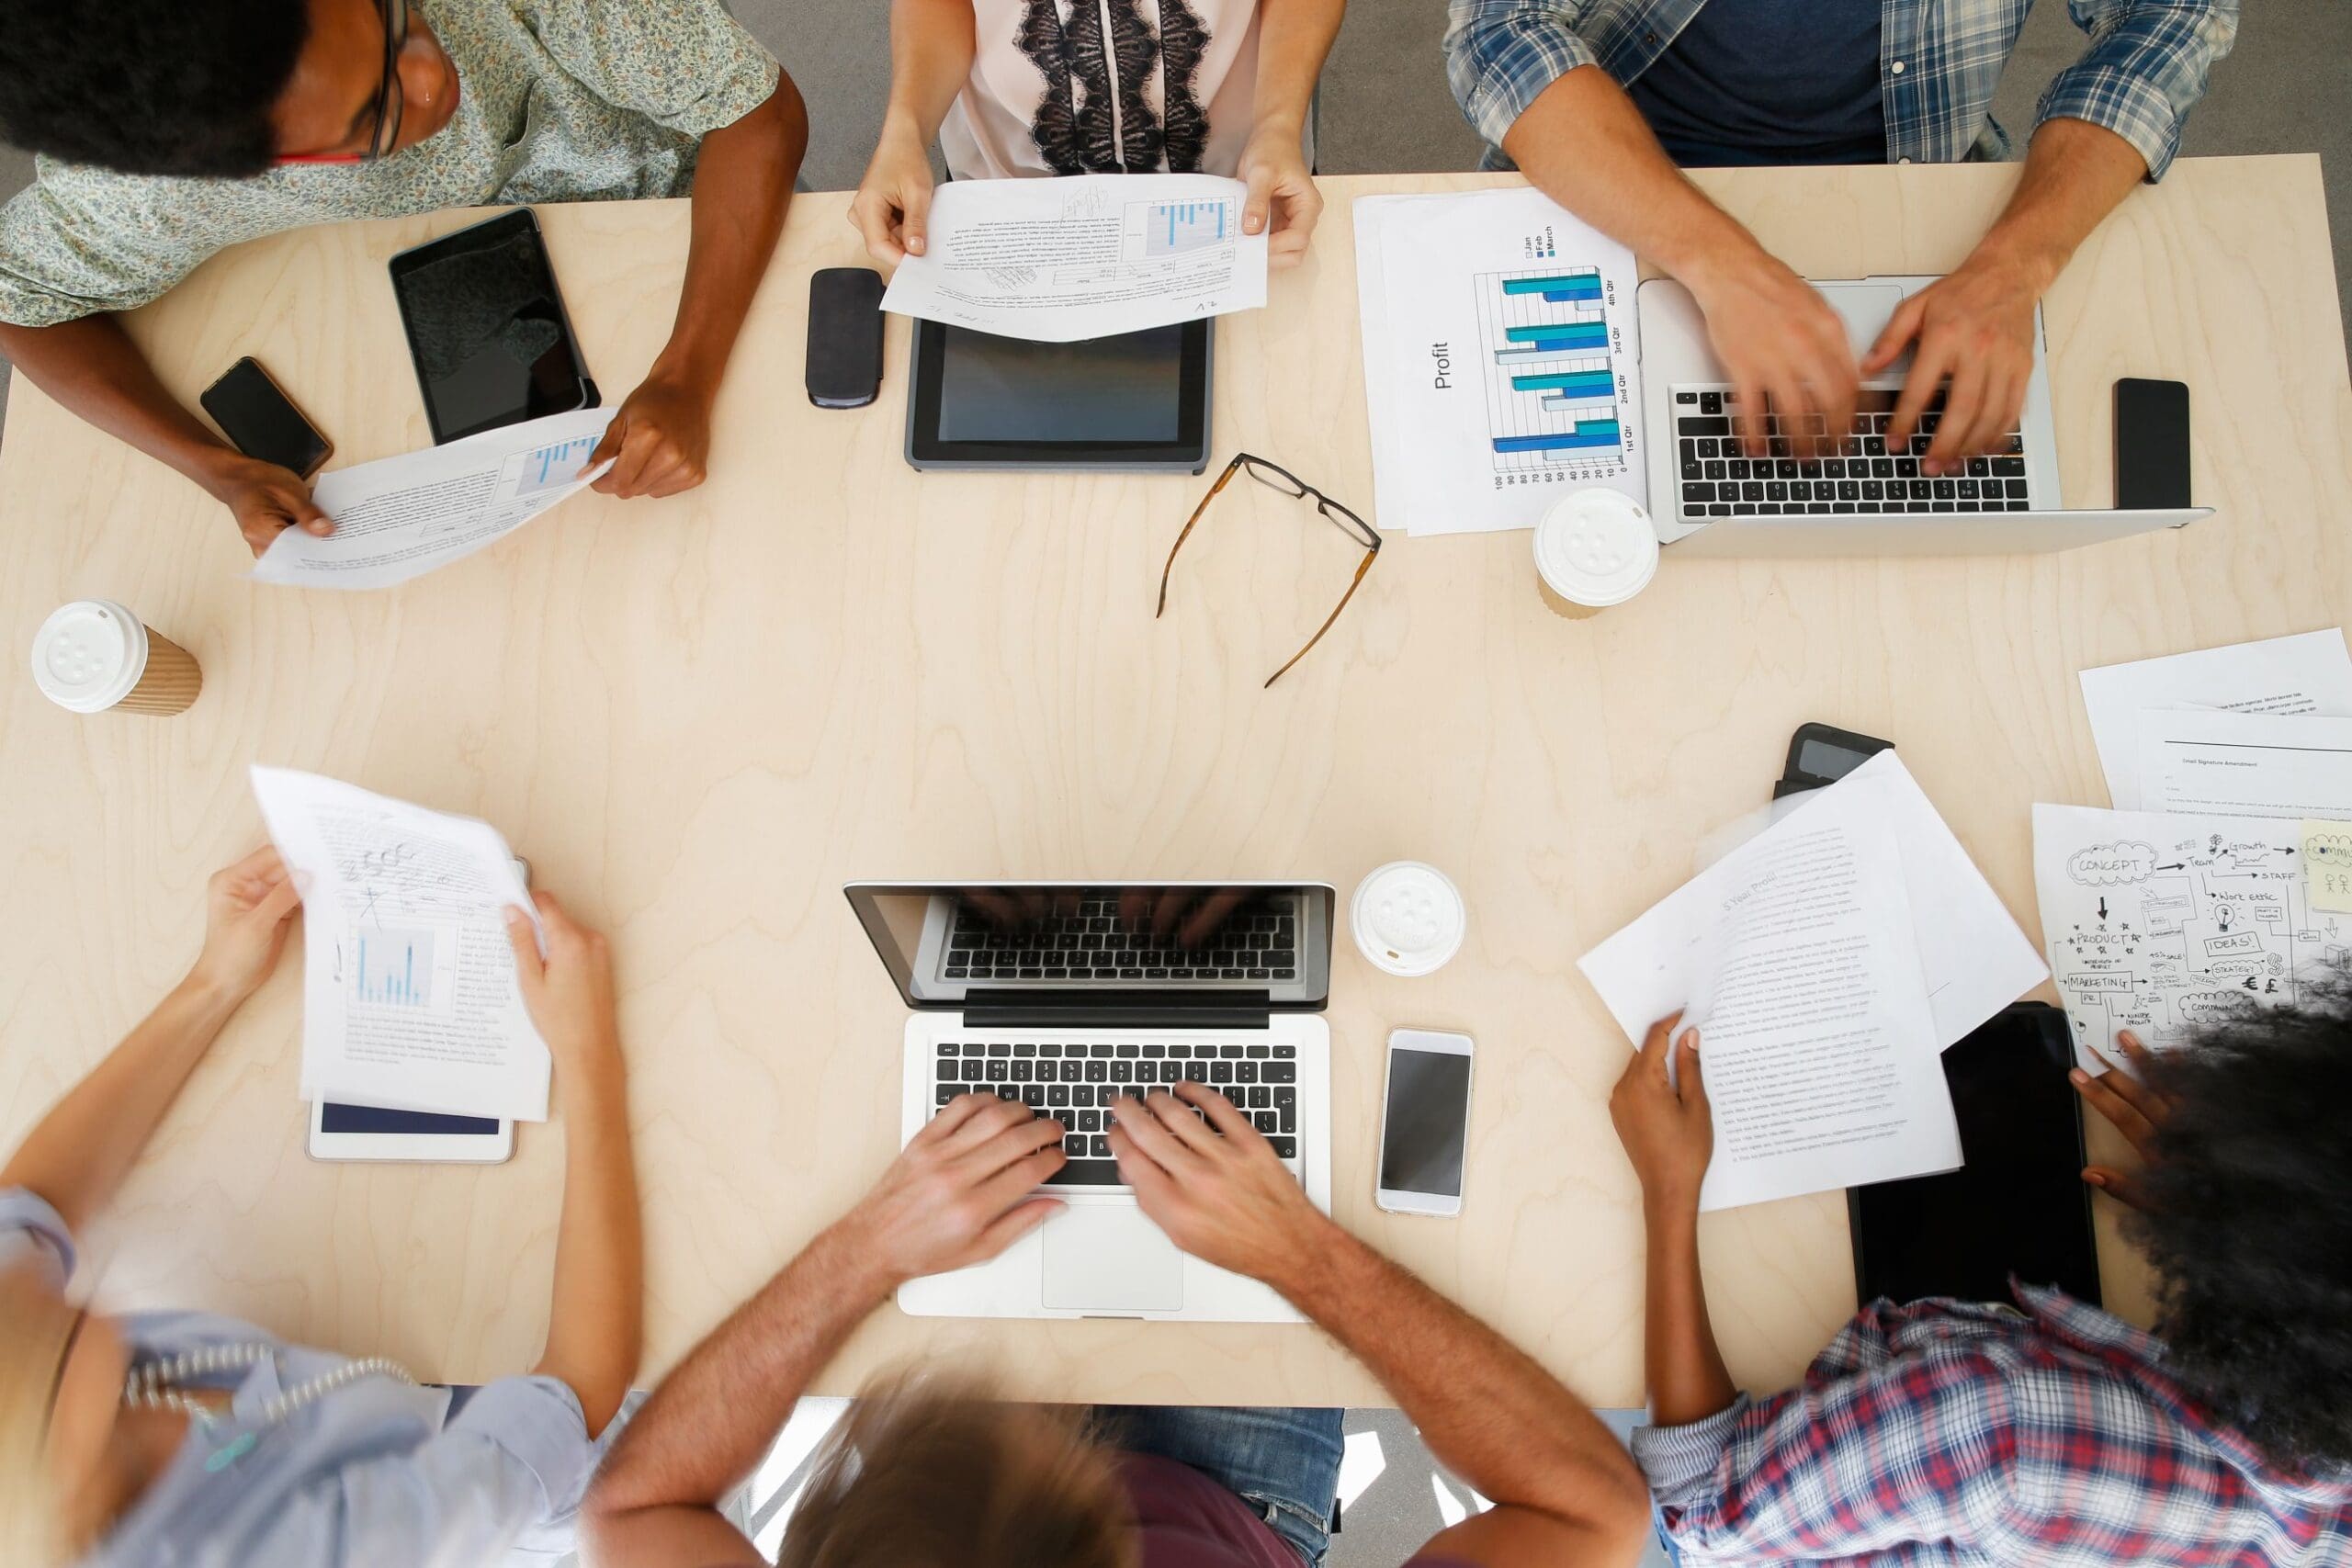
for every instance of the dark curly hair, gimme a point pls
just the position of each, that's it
(148, 86)
(2247, 1219)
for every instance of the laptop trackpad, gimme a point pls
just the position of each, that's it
(1108, 1258)
(1865, 308)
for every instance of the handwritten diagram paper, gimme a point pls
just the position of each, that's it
(2327, 866)
(402, 517)
(1794, 957)
(1083, 256)
(1501, 359)
(2155, 923)
(409, 998)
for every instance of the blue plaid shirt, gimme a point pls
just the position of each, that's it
(1938, 63)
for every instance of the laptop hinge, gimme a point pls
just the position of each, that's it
(1120, 1009)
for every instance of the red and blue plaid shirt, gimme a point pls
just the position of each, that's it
(1952, 1432)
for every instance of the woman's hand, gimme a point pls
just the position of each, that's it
(570, 991)
(246, 908)
(1282, 203)
(1662, 1120)
(2126, 1100)
(893, 202)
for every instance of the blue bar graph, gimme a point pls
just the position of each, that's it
(1175, 227)
(1562, 335)
(1570, 383)
(1574, 286)
(1552, 392)
(390, 974)
(1587, 434)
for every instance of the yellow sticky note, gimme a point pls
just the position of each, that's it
(2327, 866)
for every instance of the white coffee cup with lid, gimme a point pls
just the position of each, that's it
(1408, 918)
(1596, 547)
(93, 656)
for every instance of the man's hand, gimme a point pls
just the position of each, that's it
(960, 1191)
(1973, 328)
(569, 993)
(1217, 1189)
(2136, 1111)
(246, 909)
(1777, 339)
(1662, 1120)
(266, 500)
(893, 202)
(1282, 193)
(659, 441)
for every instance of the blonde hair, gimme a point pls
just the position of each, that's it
(927, 1472)
(34, 1329)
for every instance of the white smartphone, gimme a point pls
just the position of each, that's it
(368, 1133)
(1424, 1123)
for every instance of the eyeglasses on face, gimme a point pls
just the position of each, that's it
(384, 115)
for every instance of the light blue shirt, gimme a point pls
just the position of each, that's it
(378, 1475)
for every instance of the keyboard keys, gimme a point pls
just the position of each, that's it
(1220, 1072)
(1281, 1072)
(948, 1091)
(1700, 425)
(1034, 1096)
(1050, 1048)
(1245, 1072)
(1057, 1095)
(1103, 1052)
(1284, 1147)
(1023, 1071)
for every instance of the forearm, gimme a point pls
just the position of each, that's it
(1497, 1418)
(931, 46)
(1685, 1370)
(76, 1156)
(93, 368)
(595, 1322)
(1293, 38)
(2076, 173)
(710, 1420)
(1584, 144)
(743, 179)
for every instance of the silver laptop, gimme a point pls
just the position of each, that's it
(1709, 497)
(1061, 996)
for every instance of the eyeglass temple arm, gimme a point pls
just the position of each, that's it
(1230, 469)
(1370, 556)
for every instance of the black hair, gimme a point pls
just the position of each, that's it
(149, 86)
(2247, 1220)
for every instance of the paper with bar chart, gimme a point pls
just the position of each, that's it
(1083, 256)
(402, 517)
(409, 998)
(1501, 369)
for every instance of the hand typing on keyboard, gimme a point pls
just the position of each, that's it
(1216, 1186)
(1777, 339)
(1974, 328)
(958, 1193)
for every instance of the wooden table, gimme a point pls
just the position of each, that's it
(699, 717)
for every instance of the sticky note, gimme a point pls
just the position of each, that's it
(2327, 866)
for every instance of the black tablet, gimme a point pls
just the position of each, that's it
(1136, 401)
(487, 328)
(2018, 1206)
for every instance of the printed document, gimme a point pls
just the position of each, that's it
(1083, 256)
(1795, 958)
(1972, 954)
(2308, 673)
(2245, 764)
(409, 998)
(402, 517)
(2156, 922)
(1501, 362)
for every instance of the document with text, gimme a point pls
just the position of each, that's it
(1082, 257)
(408, 996)
(2310, 673)
(402, 517)
(1793, 957)
(2219, 764)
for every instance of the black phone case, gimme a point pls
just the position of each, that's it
(2151, 445)
(844, 369)
(304, 458)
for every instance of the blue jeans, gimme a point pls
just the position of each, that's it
(1283, 1462)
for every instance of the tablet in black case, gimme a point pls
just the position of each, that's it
(1138, 400)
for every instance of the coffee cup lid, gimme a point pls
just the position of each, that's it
(89, 654)
(1596, 547)
(1408, 918)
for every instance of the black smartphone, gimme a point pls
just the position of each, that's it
(487, 329)
(2151, 445)
(2017, 1205)
(253, 412)
(844, 337)
(1821, 754)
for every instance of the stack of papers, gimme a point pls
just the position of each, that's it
(1083, 256)
(409, 997)
(1501, 359)
(1826, 963)
(2210, 887)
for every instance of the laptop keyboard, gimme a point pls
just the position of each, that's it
(1089, 940)
(1868, 474)
(1079, 1083)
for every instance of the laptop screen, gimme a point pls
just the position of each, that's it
(952, 945)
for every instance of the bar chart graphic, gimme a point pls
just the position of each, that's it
(1554, 407)
(392, 968)
(551, 466)
(1172, 228)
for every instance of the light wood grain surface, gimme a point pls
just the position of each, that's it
(698, 717)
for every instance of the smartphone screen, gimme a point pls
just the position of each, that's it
(262, 422)
(1426, 1122)
(2151, 444)
(487, 329)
